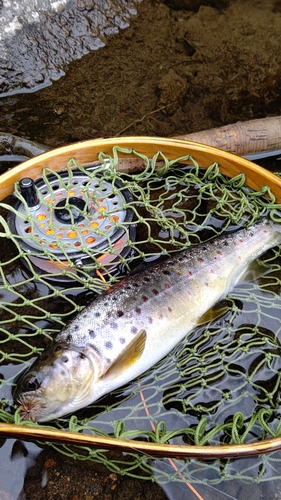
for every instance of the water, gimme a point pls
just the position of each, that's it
(17, 457)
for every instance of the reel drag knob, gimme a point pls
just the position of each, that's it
(29, 193)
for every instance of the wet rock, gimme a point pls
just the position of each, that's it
(39, 38)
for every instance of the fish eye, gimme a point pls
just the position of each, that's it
(31, 383)
(58, 348)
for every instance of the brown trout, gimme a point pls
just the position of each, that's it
(125, 332)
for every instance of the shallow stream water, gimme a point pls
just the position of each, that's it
(179, 67)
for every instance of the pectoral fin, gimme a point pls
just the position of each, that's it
(128, 357)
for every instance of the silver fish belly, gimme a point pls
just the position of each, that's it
(126, 331)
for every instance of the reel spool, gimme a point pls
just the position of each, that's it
(73, 227)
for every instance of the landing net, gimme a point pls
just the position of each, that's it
(220, 385)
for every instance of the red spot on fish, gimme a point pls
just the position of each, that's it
(167, 286)
(200, 260)
(212, 271)
(144, 298)
(160, 316)
(207, 284)
(189, 273)
(188, 292)
(155, 291)
(138, 310)
(219, 252)
(241, 241)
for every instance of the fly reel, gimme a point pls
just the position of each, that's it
(65, 227)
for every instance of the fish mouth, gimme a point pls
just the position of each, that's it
(31, 407)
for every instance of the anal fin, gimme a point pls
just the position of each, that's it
(255, 270)
(215, 312)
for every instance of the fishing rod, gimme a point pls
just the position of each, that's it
(253, 139)
(38, 433)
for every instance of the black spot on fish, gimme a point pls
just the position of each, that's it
(120, 314)
(134, 330)
(155, 292)
(97, 314)
(166, 272)
(92, 333)
(76, 328)
(69, 337)
(122, 340)
(170, 309)
(150, 320)
(180, 259)
(144, 298)
(146, 280)
(136, 285)
(138, 310)
(108, 344)
(108, 361)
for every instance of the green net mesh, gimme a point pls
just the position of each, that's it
(220, 385)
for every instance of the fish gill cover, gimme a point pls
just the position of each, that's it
(221, 384)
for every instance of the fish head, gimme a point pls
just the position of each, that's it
(58, 383)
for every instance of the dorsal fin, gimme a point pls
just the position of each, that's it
(128, 357)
